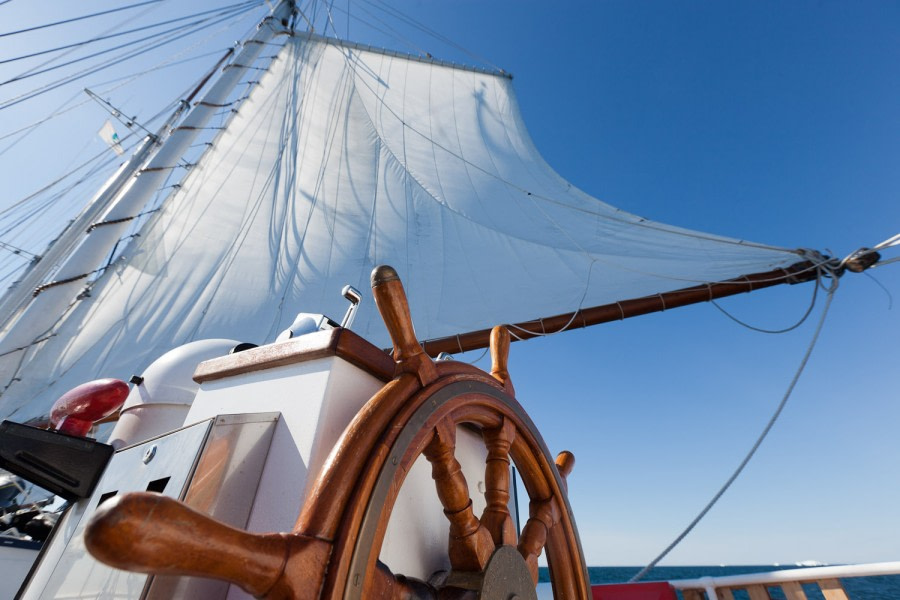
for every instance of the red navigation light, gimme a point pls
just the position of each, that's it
(76, 410)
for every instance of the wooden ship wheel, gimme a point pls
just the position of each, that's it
(333, 551)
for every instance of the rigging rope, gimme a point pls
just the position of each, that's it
(829, 270)
(395, 13)
(802, 320)
(16, 250)
(173, 30)
(126, 32)
(81, 18)
(116, 60)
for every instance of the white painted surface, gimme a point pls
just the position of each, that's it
(14, 566)
(415, 543)
(317, 399)
(162, 401)
(776, 577)
(67, 570)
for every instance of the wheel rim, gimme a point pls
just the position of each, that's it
(481, 403)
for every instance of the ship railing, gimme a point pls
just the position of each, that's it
(790, 581)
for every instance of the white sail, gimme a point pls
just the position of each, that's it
(342, 158)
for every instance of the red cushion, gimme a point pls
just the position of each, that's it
(654, 590)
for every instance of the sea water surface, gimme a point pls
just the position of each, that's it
(863, 588)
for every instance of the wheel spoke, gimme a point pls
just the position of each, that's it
(470, 543)
(544, 514)
(496, 517)
(387, 586)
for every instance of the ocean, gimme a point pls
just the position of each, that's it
(864, 588)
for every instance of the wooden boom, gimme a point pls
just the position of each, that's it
(617, 311)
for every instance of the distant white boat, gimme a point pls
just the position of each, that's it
(811, 563)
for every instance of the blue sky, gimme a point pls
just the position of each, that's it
(768, 121)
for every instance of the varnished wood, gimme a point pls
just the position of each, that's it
(387, 586)
(496, 517)
(793, 590)
(758, 592)
(543, 515)
(333, 551)
(152, 533)
(339, 342)
(534, 464)
(565, 462)
(692, 595)
(627, 308)
(832, 589)
(335, 487)
(500, 357)
(470, 544)
(390, 298)
(725, 594)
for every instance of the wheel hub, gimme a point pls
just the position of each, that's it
(506, 577)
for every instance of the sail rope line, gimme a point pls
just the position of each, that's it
(124, 81)
(120, 81)
(53, 332)
(831, 271)
(59, 322)
(55, 326)
(881, 263)
(385, 28)
(116, 326)
(800, 322)
(543, 332)
(17, 251)
(291, 127)
(107, 36)
(171, 37)
(297, 93)
(81, 18)
(62, 177)
(253, 209)
(330, 18)
(111, 28)
(400, 16)
(198, 25)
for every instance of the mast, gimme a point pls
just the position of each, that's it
(22, 292)
(128, 195)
